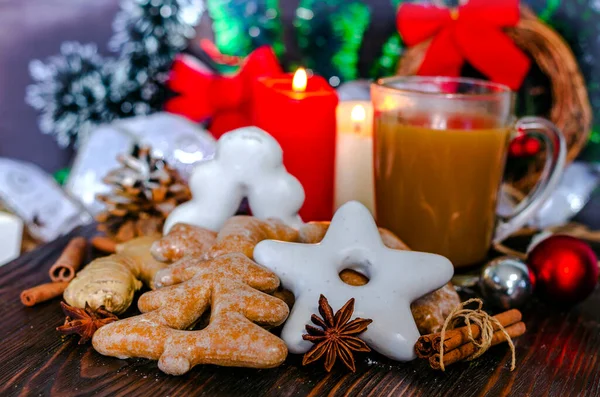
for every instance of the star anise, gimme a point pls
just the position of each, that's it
(337, 335)
(84, 322)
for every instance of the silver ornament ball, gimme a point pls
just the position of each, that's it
(505, 282)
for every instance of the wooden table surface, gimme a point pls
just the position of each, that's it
(558, 356)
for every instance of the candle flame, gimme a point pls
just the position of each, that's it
(300, 80)
(358, 113)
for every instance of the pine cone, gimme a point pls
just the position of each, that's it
(145, 189)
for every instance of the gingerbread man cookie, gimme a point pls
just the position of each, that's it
(396, 278)
(248, 163)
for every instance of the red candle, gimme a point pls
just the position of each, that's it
(300, 113)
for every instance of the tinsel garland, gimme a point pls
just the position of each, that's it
(245, 25)
(78, 89)
(330, 34)
(70, 92)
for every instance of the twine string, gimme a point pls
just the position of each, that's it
(484, 321)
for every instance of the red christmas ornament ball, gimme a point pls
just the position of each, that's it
(524, 146)
(564, 269)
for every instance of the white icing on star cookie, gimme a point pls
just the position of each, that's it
(396, 278)
(248, 163)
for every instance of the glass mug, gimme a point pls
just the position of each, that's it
(440, 148)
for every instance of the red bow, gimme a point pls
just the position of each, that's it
(202, 94)
(471, 32)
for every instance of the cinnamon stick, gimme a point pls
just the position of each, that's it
(459, 336)
(104, 244)
(468, 349)
(70, 261)
(424, 346)
(43, 292)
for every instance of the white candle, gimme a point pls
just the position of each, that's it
(354, 154)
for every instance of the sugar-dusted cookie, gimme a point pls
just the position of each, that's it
(234, 287)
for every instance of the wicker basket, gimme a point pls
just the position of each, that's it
(571, 111)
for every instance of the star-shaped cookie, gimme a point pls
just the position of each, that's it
(396, 278)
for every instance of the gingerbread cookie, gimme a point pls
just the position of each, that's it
(234, 287)
(248, 163)
(239, 234)
(182, 240)
(396, 278)
(429, 312)
(112, 281)
(242, 233)
(313, 233)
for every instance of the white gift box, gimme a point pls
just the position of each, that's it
(11, 233)
(34, 196)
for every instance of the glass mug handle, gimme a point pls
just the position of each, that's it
(556, 153)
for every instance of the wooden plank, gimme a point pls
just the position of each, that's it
(557, 356)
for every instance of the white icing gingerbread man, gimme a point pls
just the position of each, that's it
(396, 278)
(248, 163)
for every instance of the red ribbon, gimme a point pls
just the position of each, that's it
(471, 32)
(203, 94)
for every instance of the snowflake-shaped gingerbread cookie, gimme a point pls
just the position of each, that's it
(396, 278)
